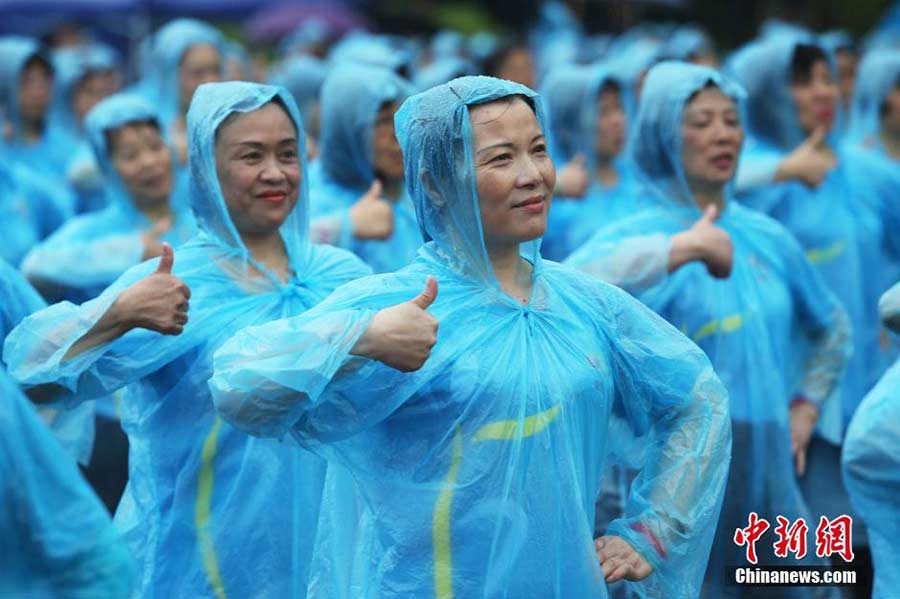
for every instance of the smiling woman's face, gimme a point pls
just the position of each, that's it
(143, 161)
(514, 173)
(258, 168)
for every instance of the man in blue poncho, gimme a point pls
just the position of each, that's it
(774, 333)
(208, 511)
(477, 445)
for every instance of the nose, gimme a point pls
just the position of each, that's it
(271, 171)
(528, 175)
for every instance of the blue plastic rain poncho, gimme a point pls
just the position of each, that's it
(751, 325)
(50, 153)
(92, 250)
(208, 511)
(847, 226)
(74, 429)
(479, 471)
(29, 211)
(689, 44)
(573, 104)
(871, 464)
(46, 157)
(170, 44)
(56, 539)
(877, 78)
(351, 98)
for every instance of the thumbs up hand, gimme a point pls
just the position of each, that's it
(809, 162)
(372, 216)
(573, 179)
(153, 247)
(705, 242)
(402, 336)
(159, 302)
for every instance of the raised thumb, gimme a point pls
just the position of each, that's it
(817, 137)
(428, 295)
(166, 260)
(710, 214)
(374, 190)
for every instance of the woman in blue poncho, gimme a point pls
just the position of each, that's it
(848, 225)
(144, 209)
(586, 107)
(56, 539)
(688, 137)
(358, 198)
(871, 464)
(208, 510)
(477, 453)
(30, 139)
(875, 115)
(26, 94)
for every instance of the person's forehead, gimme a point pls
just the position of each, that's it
(241, 125)
(711, 97)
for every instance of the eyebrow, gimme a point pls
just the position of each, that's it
(506, 144)
(259, 144)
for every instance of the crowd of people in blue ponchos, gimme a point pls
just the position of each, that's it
(461, 316)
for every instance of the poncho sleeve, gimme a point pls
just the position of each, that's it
(671, 421)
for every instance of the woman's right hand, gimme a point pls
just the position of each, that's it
(372, 216)
(705, 242)
(402, 336)
(809, 162)
(158, 302)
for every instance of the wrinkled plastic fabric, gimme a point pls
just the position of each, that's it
(572, 94)
(751, 325)
(871, 469)
(74, 428)
(876, 78)
(478, 472)
(57, 539)
(92, 250)
(351, 97)
(847, 225)
(208, 511)
(169, 46)
(29, 210)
